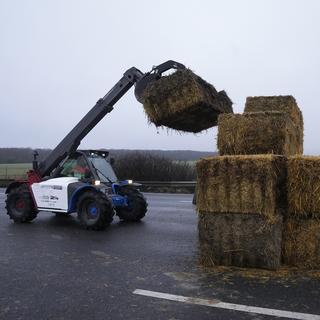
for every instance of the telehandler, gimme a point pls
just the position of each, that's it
(83, 181)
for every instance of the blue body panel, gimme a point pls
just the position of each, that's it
(117, 199)
(74, 198)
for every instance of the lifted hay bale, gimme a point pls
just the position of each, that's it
(304, 186)
(242, 184)
(278, 103)
(183, 101)
(301, 243)
(258, 133)
(242, 240)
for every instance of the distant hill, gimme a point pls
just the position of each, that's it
(25, 155)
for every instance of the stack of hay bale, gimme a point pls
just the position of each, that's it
(240, 203)
(259, 199)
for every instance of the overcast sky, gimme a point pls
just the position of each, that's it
(58, 57)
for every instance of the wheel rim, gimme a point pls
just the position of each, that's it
(18, 206)
(91, 211)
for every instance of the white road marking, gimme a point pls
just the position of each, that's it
(186, 201)
(228, 306)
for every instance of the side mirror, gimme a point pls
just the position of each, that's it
(112, 161)
(35, 163)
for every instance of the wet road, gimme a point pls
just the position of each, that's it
(52, 269)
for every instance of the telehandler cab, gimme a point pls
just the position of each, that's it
(83, 181)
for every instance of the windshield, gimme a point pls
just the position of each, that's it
(104, 169)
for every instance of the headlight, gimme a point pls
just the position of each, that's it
(130, 181)
(97, 182)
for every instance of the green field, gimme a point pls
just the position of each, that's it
(14, 171)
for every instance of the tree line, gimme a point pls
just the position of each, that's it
(147, 167)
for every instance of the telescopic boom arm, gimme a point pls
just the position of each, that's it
(103, 106)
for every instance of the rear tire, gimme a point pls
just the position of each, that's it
(20, 206)
(95, 211)
(137, 206)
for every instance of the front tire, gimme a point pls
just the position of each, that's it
(137, 206)
(20, 206)
(95, 211)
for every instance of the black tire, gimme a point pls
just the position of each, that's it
(137, 206)
(95, 211)
(20, 206)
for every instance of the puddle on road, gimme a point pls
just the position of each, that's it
(184, 276)
(56, 237)
(193, 281)
(100, 254)
(186, 280)
(107, 259)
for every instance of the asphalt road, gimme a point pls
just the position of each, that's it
(52, 269)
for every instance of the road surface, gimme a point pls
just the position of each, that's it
(52, 269)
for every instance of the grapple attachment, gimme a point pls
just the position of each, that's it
(154, 75)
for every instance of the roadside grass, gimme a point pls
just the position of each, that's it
(14, 170)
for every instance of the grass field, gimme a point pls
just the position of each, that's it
(14, 171)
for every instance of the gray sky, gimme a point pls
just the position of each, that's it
(58, 57)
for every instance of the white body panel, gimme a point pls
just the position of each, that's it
(52, 195)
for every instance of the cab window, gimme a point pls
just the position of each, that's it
(76, 166)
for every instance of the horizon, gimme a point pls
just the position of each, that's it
(116, 149)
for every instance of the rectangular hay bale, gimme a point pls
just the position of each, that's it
(276, 103)
(241, 240)
(286, 104)
(184, 101)
(301, 243)
(242, 184)
(304, 186)
(258, 133)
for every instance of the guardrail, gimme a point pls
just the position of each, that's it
(168, 183)
(168, 186)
